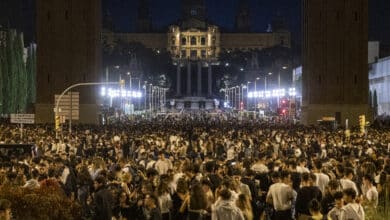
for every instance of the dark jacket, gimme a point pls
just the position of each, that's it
(102, 204)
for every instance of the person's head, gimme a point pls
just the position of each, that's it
(243, 202)
(349, 195)
(126, 177)
(225, 194)
(314, 207)
(348, 172)
(338, 199)
(99, 182)
(368, 180)
(5, 209)
(333, 186)
(285, 176)
(206, 185)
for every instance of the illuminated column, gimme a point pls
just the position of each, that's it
(188, 78)
(209, 78)
(199, 78)
(178, 79)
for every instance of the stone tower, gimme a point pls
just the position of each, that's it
(68, 39)
(144, 23)
(335, 69)
(243, 17)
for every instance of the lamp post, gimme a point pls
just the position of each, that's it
(255, 94)
(56, 116)
(247, 94)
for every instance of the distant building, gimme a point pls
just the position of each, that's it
(195, 45)
(69, 52)
(380, 86)
(334, 75)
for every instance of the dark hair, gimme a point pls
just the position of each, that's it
(348, 170)
(225, 194)
(338, 195)
(318, 164)
(369, 178)
(198, 199)
(5, 204)
(101, 180)
(314, 205)
(334, 184)
(305, 177)
(284, 174)
(350, 192)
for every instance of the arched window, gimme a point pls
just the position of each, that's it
(203, 41)
(193, 40)
(183, 41)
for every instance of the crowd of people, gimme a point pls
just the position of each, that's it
(203, 167)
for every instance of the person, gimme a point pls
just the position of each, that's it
(164, 200)
(315, 210)
(370, 196)
(225, 209)
(306, 194)
(322, 179)
(243, 203)
(335, 212)
(196, 203)
(328, 201)
(33, 182)
(152, 211)
(102, 200)
(346, 182)
(280, 195)
(352, 209)
(5, 209)
(162, 165)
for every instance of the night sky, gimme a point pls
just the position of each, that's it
(220, 12)
(20, 14)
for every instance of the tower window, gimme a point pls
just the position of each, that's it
(66, 15)
(355, 79)
(48, 15)
(193, 40)
(173, 41)
(193, 12)
(356, 16)
(183, 41)
(319, 79)
(203, 41)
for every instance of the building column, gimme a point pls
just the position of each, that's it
(178, 80)
(189, 78)
(199, 78)
(209, 78)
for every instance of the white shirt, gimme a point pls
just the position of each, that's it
(347, 184)
(352, 211)
(260, 168)
(372, 195)
(322, 181)
(282, 195)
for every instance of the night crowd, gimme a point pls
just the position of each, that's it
(204, 167)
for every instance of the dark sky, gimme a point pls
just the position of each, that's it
(220, 12)
(20, 14)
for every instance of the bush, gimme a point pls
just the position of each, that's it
(48, 202)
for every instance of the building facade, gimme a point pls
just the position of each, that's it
(335, 69)
(380, 86)
(195, 46)
(69, 52)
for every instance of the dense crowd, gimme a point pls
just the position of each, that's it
(204, 167)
